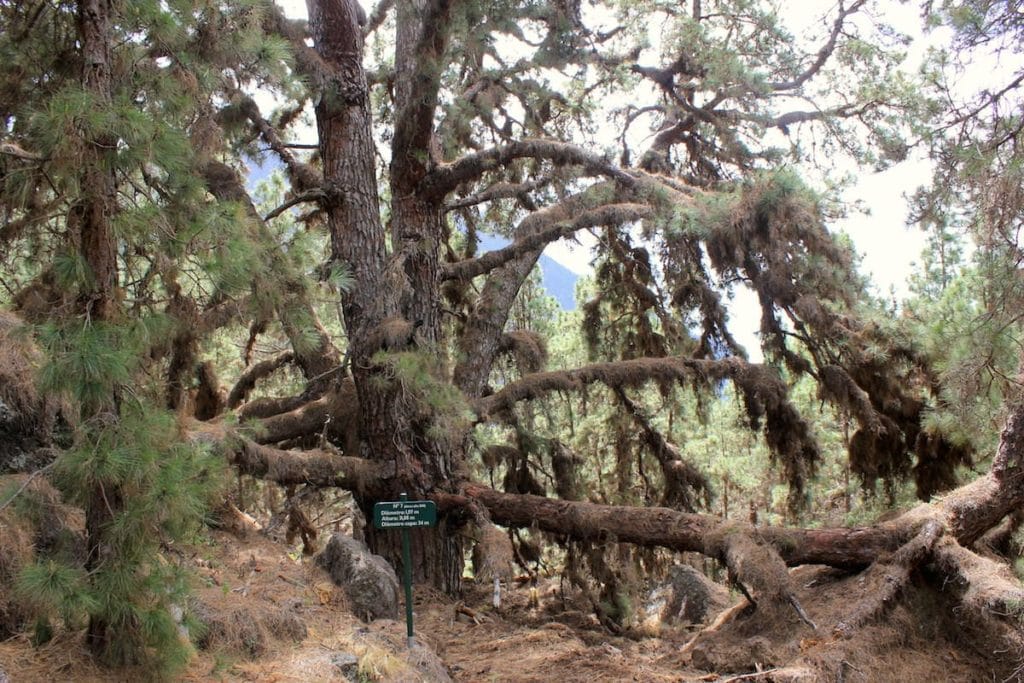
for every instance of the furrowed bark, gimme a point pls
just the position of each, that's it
(404, 287)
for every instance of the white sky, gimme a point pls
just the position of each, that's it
(888, 247)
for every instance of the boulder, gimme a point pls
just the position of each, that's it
(368, 580)
(686, 597)
(347, 664)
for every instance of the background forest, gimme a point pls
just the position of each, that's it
(240, 267)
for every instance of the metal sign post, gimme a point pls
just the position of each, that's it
(405, 514)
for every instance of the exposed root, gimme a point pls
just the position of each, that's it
(891, 575)
(990, 596)
(723, 618)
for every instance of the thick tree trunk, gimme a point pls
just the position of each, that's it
(404, 286)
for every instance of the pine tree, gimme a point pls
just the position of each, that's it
(437, 121)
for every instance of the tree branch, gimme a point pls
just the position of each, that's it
(447, 177)
(247, 380)
(612, 214)
(824, 53)
(304, 177)
(681, 531)
(614, 374)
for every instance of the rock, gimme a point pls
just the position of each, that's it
(347, 665)
(368, 580)
(686, 597)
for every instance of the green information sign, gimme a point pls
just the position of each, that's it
(405, 514)
(400, 514)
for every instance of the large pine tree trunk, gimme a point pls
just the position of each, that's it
(403, 286)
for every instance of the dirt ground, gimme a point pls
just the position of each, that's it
(278, 618)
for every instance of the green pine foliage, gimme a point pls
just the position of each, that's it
(165, 487)
(160, 487)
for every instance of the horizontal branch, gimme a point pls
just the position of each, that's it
(315, 467)
(661, 527)
(447, 177)
(247, 380)
(612, 214)
(499, 191)
(614, 374)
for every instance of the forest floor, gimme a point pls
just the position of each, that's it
(279, 618)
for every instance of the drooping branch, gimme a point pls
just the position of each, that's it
(787, 433)
(661, 527)
(615, 374)
(682, 479)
